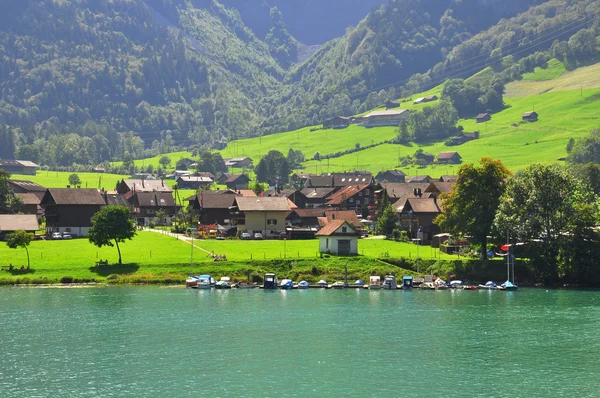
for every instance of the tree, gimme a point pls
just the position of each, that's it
(470, 207)
(211, 162)
(22, 239)
(387, 221)
(273, 168)
(165, 161)
(543, 205)
(8, 199)
(74, 180)
(112, 223)
(258, 188)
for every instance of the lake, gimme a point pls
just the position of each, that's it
(166, 341)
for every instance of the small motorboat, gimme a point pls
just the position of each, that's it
(374, 282)
(302, 285)
(270, 281)
(489, 285)
(337, 285)
(390, 282)
(358, 283)
(427, 286)
(508, 285)
(407, 282)
(469, 287)
(213, 282)
(192, 282)
(440, 284)
(456, 284)
(245, 285)
(223, 283)
(204, 282)
(286, 284)
(323, 283)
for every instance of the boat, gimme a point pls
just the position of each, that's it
(469, 287)
(508, 285)
(489, 285)
(223, 283)
(337, 285)
(204, 282)
(213, 282)
(270, 281)
(323, 283)
(286, 284)
(375, 282)
(427, 286)
(456, 284)
(245, 285)
(191, 281)
(407, 282)
(358, 283)
(390, 282)
(440, 284)
(302, 285)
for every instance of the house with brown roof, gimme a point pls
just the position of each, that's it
(352, 197)
(23, 186)
(530, 116)
(70, 210)
(213, 207)
(346, 215)
(294, 195)
(338, 122)
(237, 181)
(305, 218)
(401, 190)
(423, 100)
(223, 177)
(449, 158)
(130, 186)
(416, 215)
(193, 182)
(238, 163)
(462, 137)
(385, 118)
(389, 104)
(31, 203)
(10, 223)
(317, 197)
(437, 188)
(419, 179)
(146, 206)
(425, 157)
(447, 178)
(316, 181)
(263, 215)
(19, 166)
(483, 117)
(352, 178)
(338, 238)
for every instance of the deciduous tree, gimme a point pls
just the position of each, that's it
(112, 224)
(22, 239)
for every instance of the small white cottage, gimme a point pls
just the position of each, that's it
(338, 237)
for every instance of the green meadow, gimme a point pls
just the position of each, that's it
(60, 179)
(155, 258)
(154, 161)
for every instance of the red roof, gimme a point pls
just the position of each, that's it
(345, 193)
(333, 226)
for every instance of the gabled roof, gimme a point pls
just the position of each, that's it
(397, 112)
(340, 180)
(317, 193)
(309, 213)
(526, 114)
(447, 155)
(236, 177)
(201, 179)
(29, 186)
(347, 215)
(345, 193)
(319, 181)
(154, 199)
(29, 198)
(420, 205)
(73, 197)
(14, 222)
(114, 199)
(417, 179)
(396, 173)
(446, 178)
(397, 190)
(442, 187)
(331, 228)
(482, 115)
(25, 163)
(215, 200)
(262, 204)
(139, 185)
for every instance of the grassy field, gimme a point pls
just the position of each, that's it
(552, 70)
(154, 161)
(60, 179)
(153, 257)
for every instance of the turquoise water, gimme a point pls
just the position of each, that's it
(158, 341)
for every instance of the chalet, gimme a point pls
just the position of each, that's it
(178, 173)
(416, 216)
(114, 199)
(193, 182)
(31, 203)
(483, 117)
(530, 117)
(317, 197)
(401, 190)
(437, 188)
(449, 158)
(305, 218)
(385, 118)
(205, 174)
(213, 207)
(357, 177)
(338, 238)
(19, 166)
(262, 215)
(22, 186)
(462, 138)
(346, 215)
(338, 122)
(10, 223)
(390, 176)
(392, 104)
(422, 179)
(423, 100)
(425, 157)
(352, 197)
(146, 205)
(238, 163)
(223, 177)
(316, 181)
(71, 209)
(130, 186)
(294, 195)
(237, 181)
(448, 178)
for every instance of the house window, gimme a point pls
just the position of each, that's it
(344, 230)
(271, 221)
(327, 243)
(351, 200)
(358, 201)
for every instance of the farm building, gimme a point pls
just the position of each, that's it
(136, 185)
(71, 209)
(392, 104)
(338, 122)
(530, 117)
(338, 237)
(423, 100)
(193, 182)
(385, 118)
(449, 158)
(237, 181)
(390, 176)
(239, 163)
(10, 223)
(19, 167)
(483, 117)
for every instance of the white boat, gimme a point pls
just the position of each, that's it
(323, 283)
(489, 285)
(286, 284)
(245, 285)
(337, 285)
(375, 282)
(390, 282)
(191, 281)
(204, 282)
(302, 285)
(440, 284)
(359, 283)
(508, 285)
(223, 283)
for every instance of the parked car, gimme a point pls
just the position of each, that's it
(56, 235)
(245, 236)
(258, 236)
(66, 235)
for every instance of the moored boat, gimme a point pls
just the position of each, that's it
(337, 285)
(407, 282)
(245, 285)
(286, 284)
(191, 281)
(204, 282)
(358, 283)
(302, 285)
(489, 285)
(323, 283)
(270, 281)
(375, 282)
(223, 283)
(390, 282)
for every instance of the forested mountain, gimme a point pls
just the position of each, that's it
(85, 81)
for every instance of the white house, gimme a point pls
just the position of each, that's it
(264, 215)
(338, 237)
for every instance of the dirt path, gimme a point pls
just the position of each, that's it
(182, 238)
